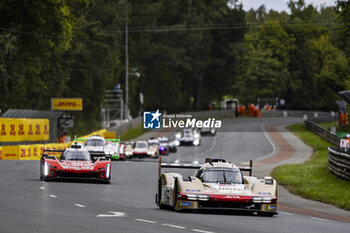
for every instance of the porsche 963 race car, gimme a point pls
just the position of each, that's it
(217, 185)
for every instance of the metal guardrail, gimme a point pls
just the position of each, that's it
(339, 162)
(294, 113)
(338, 158)
(312, 125)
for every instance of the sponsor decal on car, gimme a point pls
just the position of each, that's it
(232, 197)
(271, 207)
(193, 190)
(185, 203)
(265, 193)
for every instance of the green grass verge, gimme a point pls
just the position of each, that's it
(328, 125)
(312, 179)
(133, 133)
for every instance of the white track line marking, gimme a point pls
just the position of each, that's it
(320, 219)
(285, 213)
(113, 214)
(174, 226)
(201, 231)
(42, 187)
(79, 205)
(270, 141)
(144, 220)
(53, 196)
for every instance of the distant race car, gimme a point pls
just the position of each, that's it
(153, 148)
(208, 131)
(163, 145)
(110, 147)
(167, 146)
(140, 149)
(217, 185)
(75, 163)
(189, 137)
(173, 144)
(128, 149)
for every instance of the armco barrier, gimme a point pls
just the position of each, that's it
(339, 162)
(312, 125)
(294, 113)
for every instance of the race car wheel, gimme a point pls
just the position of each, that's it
(175, 194)
(159, 195)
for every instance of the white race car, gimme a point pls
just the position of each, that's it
(110, 147)
(217, 185)
(189, 137)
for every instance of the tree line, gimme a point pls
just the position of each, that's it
(189, 53)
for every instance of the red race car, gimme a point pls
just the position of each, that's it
(75, 163)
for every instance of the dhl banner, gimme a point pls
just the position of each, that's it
(30, 152)
(23, 129)
(110, 135)
(67, 104)
(35, 151)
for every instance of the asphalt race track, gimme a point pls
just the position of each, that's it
(128, 203)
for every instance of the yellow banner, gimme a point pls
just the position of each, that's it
(23, 129)
(67, 104)
(110, 135)
(30, 152)
(10, 153)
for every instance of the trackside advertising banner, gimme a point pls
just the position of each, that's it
(30, 152)
(23, 129)
(67, 104)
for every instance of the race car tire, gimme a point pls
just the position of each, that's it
(175, 194)
(159, 195)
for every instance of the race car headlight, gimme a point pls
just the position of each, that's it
(108, 170)
(262, 200)
(178, 135)
(128, 153)
(46, 168)
(150, 152)
(196, 142)
(196, 135)
(177, 143)
(212, 131)
(195, 197)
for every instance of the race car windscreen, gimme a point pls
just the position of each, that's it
(79, 155)
(94, 142)
(222, 175)
(141, 145)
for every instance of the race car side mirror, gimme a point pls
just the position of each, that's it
(45, 154)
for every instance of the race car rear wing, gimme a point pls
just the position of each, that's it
(94, 154)
(197, 166)
(107, 140)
